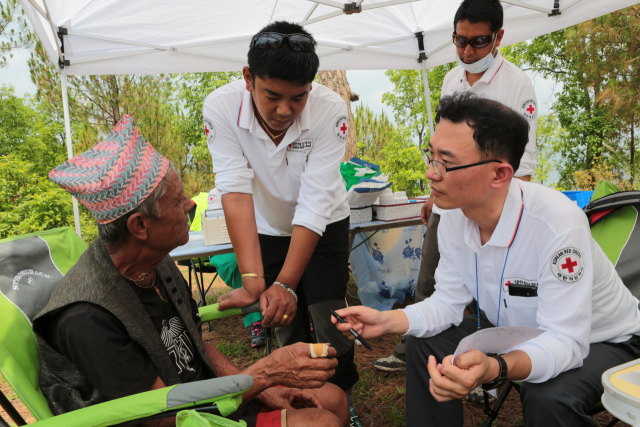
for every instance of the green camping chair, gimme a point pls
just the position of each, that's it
(613, 216)
(30, 267)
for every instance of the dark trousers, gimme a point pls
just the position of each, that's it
(561, 401)
(322, 288)
(428, 263)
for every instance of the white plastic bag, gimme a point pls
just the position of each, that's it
(386, 267)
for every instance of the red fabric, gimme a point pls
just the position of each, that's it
(269, 419)
(599, 214)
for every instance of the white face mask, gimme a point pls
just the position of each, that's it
(480, 65)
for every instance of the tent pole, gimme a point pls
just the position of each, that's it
(67, 129)
(427, 96)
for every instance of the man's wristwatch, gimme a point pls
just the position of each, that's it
(291, 291)
(502, 376)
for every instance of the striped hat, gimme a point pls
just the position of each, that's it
(114, 177)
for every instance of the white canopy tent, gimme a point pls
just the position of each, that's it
(89, 37)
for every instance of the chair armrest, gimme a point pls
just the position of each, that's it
(225, 392)
(211, 312)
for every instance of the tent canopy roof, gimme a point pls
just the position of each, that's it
(166, 36)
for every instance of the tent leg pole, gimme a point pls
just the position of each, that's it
(427, 97)
(67, 129)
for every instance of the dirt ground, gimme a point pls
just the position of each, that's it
(379, 397)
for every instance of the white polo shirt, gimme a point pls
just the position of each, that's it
(509, 85)
(296, 183)
(580, 297)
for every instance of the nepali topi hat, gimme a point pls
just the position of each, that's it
(116, 176)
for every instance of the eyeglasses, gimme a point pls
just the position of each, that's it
(475, 42)
(273, 41)
(441, 169)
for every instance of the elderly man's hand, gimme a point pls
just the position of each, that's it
(276, 398)
(450, 382)
(292, 366)
(237, 298)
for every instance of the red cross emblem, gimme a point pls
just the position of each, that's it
(528, 108)
(508, 283)
(569, 265)
(344, 128)
(206, 130)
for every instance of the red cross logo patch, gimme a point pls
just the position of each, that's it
(529, 109)
(209, 130)
(566, 265)
(341, 128)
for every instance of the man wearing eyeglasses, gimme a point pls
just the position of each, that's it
(525, 253)
(483, 71)
(277, 139)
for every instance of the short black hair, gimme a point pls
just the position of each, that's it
(284, 63)
(474, 11)
(500, 132)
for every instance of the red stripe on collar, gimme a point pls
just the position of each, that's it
(494, 74)
(240, 111)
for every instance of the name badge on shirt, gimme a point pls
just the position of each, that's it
(518, 287)
(302, 145)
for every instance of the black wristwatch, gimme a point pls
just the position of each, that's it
(502, 376)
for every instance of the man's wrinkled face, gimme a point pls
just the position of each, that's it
(453, 145)
(172, 228)
(279, 102)
(469, 30)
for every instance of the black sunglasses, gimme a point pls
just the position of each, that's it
(273, 41)
(475, 42)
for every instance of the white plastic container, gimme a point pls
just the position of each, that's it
(387, 199)
(361, 215)
(398, 210)
(214, 228)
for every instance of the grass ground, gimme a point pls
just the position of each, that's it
(379, 396)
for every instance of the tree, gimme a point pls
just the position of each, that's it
(408, 102)
(29, 132)
(372, 133)
(14, 30)
(97, 103)
(402, 160)
(549, 138)
(596, 63)
(28, 201)
(193, 89)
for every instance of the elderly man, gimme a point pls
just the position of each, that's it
(122, 321)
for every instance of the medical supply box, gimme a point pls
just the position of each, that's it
(214, 227)
(398, 210)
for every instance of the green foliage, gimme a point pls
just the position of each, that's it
(373, 132)
(29, 132)
(193, 89)
(391, 148)
(407, 99)
(598, 107)
(549, 139)
(402, 160)
(28, 201)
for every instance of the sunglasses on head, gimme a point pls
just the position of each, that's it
(273, 41)
(475, 42)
